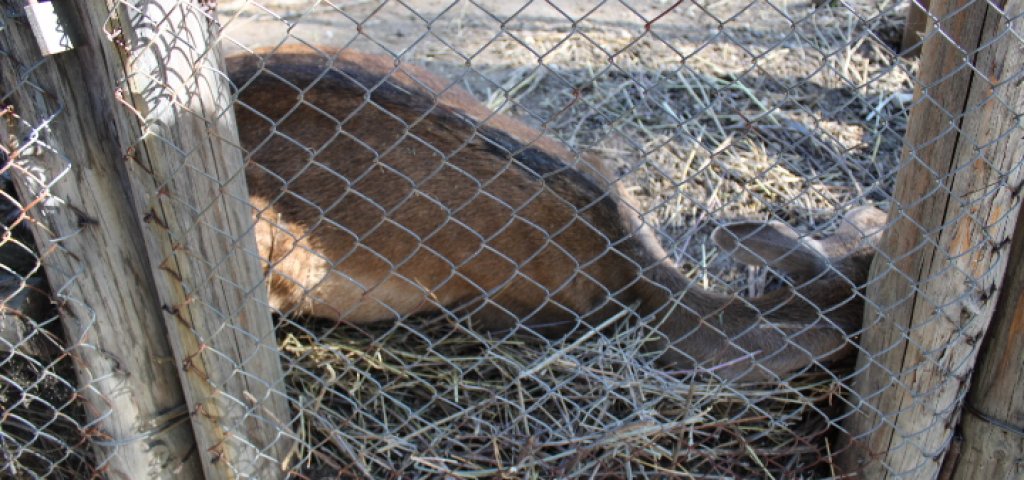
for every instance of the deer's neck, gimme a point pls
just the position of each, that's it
(749, 337)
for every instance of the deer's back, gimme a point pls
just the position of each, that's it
(381, 193)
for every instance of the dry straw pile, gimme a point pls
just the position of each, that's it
(798, 136)
(741, 123)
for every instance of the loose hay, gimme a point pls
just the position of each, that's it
(710, 139)
(700, 142)
(41, 420)
(704, 131)
(429, 397)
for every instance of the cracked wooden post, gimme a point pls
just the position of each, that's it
(65, 165)
(150, 110)
(188, 179)
(935, 283)
(992, 445)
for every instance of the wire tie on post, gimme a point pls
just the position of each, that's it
(1004, 426)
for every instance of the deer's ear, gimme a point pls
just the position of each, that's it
(773, 244)
(863, 223)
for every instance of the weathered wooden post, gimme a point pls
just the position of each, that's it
(188, 179)
(992, 445)
(941, 264)
(913, 30)
(66, 165)
(155, 190)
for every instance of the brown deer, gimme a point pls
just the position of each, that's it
(382, 191)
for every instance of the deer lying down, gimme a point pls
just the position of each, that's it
(383, 191)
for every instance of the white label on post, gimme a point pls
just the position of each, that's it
(50, 33)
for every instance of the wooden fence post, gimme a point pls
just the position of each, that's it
(147, 76)
(913, 30)
(188, 180)
(90, 243)
(992, 446)
(941, 263)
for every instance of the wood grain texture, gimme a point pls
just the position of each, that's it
(90, 241)
(991, 447)
(157, 219)
(914, 29)
(187, 177)
(942, 260)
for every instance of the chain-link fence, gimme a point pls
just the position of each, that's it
(480, 239)
(43, 424)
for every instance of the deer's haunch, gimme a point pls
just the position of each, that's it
(382, 192)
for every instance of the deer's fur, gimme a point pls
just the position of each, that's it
(383, 191)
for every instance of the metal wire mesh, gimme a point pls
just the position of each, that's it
(437, 315)
(712, 113)
(44, 428)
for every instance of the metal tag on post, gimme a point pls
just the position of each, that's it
(50, 32)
